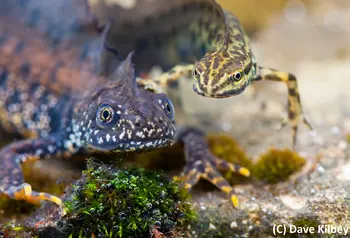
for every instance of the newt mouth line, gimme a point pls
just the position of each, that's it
(134, 145)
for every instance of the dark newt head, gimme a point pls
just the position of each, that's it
(220, 74)
(122, 117)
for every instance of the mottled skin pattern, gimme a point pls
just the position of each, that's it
(200, 162)
(53, 99)
(205, 42)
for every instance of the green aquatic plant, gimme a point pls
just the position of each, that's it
(135, 202)
(277, 165)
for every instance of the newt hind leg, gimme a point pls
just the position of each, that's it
(12, 156)
(295, 111)
(201, 163)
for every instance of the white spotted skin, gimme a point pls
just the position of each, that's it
(139, 120)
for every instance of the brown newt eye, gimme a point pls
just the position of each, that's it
(105, 115)
(196, 74)
(236, 77)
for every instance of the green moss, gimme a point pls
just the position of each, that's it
(226, 148)
(12, 229)
(131, 203)
(306, 222)
(277, 165)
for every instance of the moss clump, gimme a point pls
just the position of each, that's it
(108, 202)
(277, 165)
(348, 138)
(224, 147)
(306, 222)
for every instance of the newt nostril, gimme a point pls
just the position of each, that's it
(160, 120)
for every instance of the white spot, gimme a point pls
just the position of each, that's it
(129, 134)
(121, 136)
(114, 139)
(100, 140)
(96, 132)
(140, 134)
(51, 149)
(38, 152)
(108, 137)
(150, 132)
(148, 144)
(226, 126)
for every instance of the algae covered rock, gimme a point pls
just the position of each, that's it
(135, 202)
(277, 165)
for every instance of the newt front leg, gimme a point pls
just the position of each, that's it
(295, 111)
(11, 178)
(174, 74)
(201, 163)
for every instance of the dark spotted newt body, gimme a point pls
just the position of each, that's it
(52, 97)
(56, 66)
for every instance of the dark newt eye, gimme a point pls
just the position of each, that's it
(236, 77)
(105, 115)
(196, 74)
(169, 109)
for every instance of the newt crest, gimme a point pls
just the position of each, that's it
(106, 113)
(120, 116)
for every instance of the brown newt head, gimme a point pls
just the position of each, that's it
(121, 116)
(220, 75)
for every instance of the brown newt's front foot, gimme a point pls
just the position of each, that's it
(295, 111)
(201, 163)
(12, 183)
